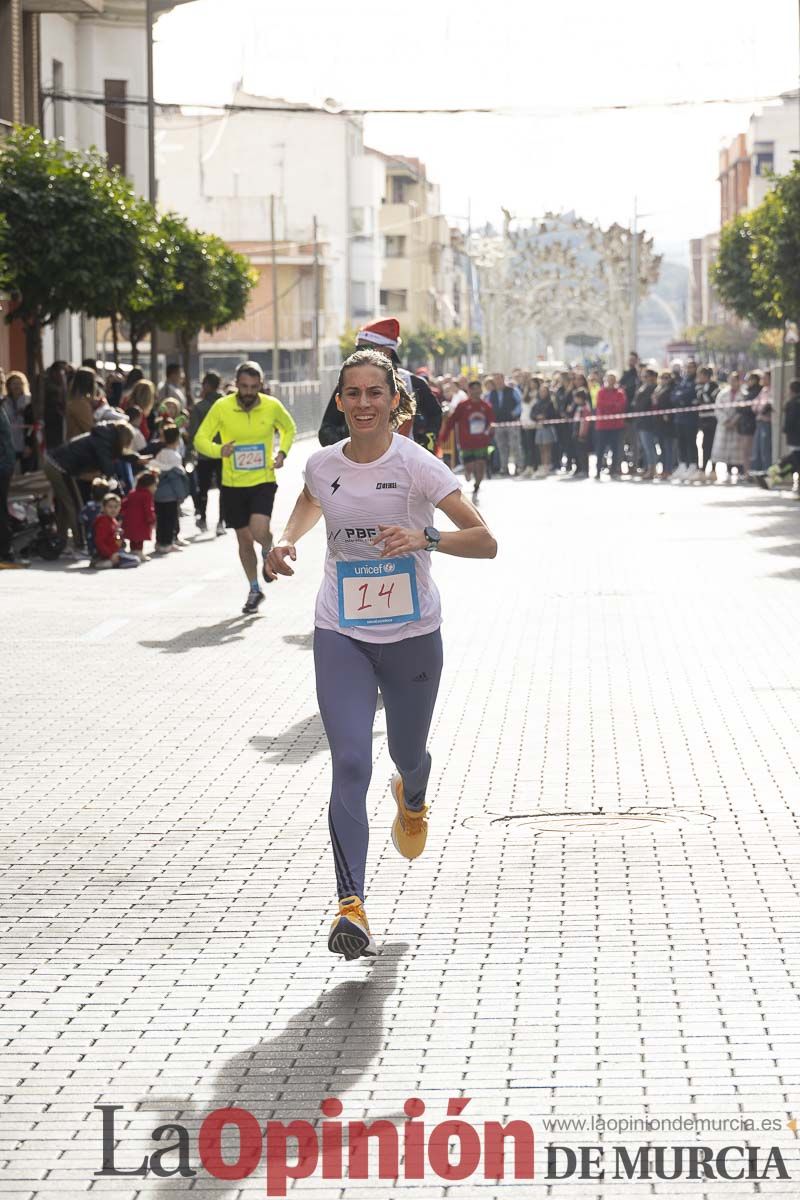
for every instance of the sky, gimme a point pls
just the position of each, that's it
(550, 68)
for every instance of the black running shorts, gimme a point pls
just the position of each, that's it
(239, 504)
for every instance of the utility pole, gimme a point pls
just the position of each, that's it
(317, 292)
(152, 183)
(469, 287)
(276, 352)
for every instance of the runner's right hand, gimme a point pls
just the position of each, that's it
(227, 449)
(276, 563)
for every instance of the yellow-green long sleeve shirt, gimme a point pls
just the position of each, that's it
(252, 431)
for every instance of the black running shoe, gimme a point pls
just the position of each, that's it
(254, 598)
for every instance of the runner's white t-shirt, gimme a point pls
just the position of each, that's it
(402, 487)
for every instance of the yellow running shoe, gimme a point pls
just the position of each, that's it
(410, 827)
(350, 935)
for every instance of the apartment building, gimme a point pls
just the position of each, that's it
(69, 67)
(269, 162)
(416, 240)
(769, 145)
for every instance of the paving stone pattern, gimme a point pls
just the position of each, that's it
(604, 924)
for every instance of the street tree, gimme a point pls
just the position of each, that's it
(206, 285)
(425, 346)
(153, 285)
(69, 242)
(121, 222)
(756, 272)
(736, 275)
(786, 248)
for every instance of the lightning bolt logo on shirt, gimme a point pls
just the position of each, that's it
(335, 485)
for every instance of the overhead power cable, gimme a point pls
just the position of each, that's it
(340, 111)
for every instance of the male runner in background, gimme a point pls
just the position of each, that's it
(246, 422)
(473, 419)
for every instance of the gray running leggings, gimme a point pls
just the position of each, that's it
(349, 675)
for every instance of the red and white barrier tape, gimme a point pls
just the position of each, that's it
(622, 416)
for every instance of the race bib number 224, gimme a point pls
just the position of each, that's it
(250, 458)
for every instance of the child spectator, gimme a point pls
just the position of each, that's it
(173, 487)
(139, 513)
(168, 456)
(171, 413)
(92, 509)
(583, 429)
(136, 417)
(109, 546)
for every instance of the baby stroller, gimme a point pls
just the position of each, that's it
(33, 528)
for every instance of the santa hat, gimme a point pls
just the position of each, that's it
(381, 333)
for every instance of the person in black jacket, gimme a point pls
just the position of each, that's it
(707, 389)
(565, 407)
(645, 423)
(631, 378)
(385, 336)
(96, 453)
(786, 467)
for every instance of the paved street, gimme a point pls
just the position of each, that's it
(605, 922)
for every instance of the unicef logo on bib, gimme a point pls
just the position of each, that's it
(367, 598)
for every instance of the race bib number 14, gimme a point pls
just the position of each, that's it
(380, 591)
(250, 458)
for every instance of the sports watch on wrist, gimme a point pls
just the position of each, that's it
(432, 537)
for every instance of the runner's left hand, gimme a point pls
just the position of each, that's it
(280, 455)
(397, 540)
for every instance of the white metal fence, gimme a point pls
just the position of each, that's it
(303, 401)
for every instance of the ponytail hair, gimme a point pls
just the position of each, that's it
(373, 358)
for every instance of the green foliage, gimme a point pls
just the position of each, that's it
(154, 282)
(732, 273)
(204, 285)
(785, 250)
(71, 229)
(427, 346)
(756, 272)
(75, 237)
(347, 342)
(727, 345)
(424, 345)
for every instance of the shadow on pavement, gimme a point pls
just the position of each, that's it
(325, 1050)
(204, 636)
(304, 640)
(300, 742)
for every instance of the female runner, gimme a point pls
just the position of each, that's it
(377, 614)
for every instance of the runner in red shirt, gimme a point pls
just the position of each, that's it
(473, 420)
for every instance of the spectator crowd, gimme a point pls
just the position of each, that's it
(684, 425)
(118, 456)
